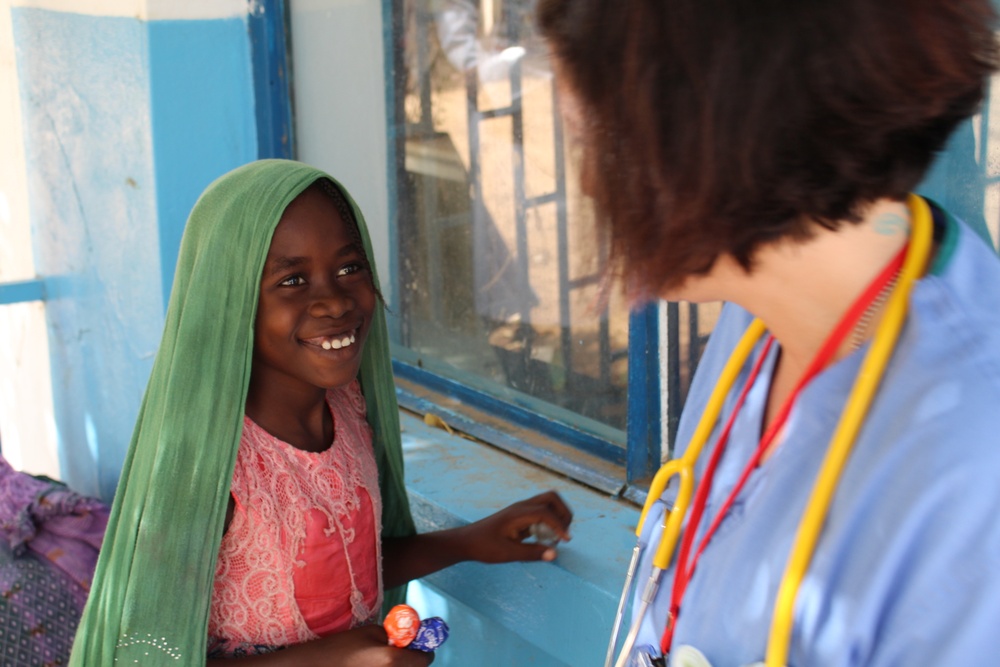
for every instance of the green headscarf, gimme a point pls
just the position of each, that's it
(151, 594)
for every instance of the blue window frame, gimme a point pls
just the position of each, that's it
(268, 25)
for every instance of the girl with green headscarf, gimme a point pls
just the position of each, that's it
(270, 419)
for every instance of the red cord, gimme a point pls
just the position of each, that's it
(684, 570)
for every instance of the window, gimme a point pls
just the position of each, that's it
(500, 320)
(499, 277)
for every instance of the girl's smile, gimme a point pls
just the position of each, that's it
(333, 342)
(317, 301)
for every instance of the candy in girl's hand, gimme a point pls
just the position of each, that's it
(401, 624)
(543, 534)
(432, 633)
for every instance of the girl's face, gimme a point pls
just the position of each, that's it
(316, 300)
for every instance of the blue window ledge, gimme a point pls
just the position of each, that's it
(521, 613)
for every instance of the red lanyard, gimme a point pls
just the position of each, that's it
(683, 569)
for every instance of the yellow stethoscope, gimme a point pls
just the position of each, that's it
(811, 524)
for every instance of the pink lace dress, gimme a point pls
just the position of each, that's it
(301, 558)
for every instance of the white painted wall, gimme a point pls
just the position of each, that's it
(340, 116)
(26, 427)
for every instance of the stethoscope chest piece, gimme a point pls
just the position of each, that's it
(688, 656)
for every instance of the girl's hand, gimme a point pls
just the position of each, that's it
(500, 537)
(367, 646)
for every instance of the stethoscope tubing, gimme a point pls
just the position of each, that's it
(648, 595)
(812, 520)
(620, 614)
(859, 401)
(683, 469)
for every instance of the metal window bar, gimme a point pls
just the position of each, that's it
(513, 17)
(675, 399)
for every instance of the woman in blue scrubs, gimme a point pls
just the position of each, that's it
(760, 152)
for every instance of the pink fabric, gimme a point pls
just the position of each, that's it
(301, 558)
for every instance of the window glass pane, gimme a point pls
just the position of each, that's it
(499, 271)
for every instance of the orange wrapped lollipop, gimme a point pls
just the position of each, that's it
(401, 624)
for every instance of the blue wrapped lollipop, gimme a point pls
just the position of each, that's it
(432, 633)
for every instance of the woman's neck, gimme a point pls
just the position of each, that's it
(801, 289)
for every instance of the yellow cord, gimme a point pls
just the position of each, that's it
(854, 413)
(858, 402)
(684, 466)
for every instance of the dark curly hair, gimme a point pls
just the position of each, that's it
(717, 126)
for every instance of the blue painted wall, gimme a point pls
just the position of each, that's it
(125, 123)
(202, 114)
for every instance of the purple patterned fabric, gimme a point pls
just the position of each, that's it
(51, 520)
(52, 537)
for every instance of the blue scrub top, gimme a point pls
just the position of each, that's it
(907, 569)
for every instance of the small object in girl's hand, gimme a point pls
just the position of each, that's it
(543, 534)
(401, 624)
(433, 632)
